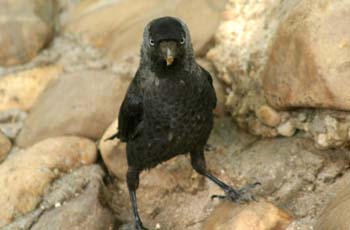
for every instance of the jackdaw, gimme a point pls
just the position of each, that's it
(168, 108)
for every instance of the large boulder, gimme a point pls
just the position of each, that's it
(80, 189)
(117, 26)
(309, 62)
(82, 212)
(81, 104)
(284, 63)
(26, 27)
(26, 174)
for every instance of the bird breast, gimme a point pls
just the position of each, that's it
(176, 107)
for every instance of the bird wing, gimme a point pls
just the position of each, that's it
(212, 90)
(131, 111)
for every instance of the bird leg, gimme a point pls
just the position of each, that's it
(132, 178)
(235, 195)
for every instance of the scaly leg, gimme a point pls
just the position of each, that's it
(239, 195)
(132, 178)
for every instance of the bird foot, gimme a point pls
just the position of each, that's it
(238, 196)
(139, 226)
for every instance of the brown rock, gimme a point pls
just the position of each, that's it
(254, 216)
(309, 63)
(82, 212)
(336, 214)
(5, 146)
(117, 26)
(20, 90)
(26, 27)
(268, 116)
(81, 104)
(113, 152)
(26, 174)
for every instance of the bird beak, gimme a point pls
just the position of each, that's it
(169, 57)
(168, 51)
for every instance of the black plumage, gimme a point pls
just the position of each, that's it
(168, 108)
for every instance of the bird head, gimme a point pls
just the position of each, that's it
(166, 41)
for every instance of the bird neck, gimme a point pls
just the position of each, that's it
(162, 70)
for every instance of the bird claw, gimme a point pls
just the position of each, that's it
(242, 195)
(139, 226)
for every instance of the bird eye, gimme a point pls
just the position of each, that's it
(182, 41)
(151, 42)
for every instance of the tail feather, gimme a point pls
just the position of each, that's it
(116, 135)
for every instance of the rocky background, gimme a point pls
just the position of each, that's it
(281, 70)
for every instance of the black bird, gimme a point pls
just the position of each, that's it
(168, 108)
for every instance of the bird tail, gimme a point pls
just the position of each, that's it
(116, 135)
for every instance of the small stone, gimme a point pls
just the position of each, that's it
(322, 140)
(286, 129)
(253, 216)
(158, 226)
(268, 116)
(58, 205)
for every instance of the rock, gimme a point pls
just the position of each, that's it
(61, 192)
(268, 116)
(20, 90)
(286, 129)
(239, 56)
(290, 168)
(11, 122)
(65, 109)
(5, 146)
(309, 62)
(82, 212)
(254, 216)
(336, 214)
(26, 27)
(117, 26)
(26, 174)
(113, 152)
